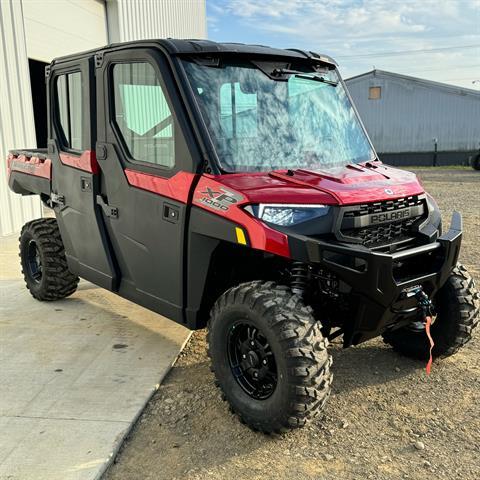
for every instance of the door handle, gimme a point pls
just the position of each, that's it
(111, 212)
(171, 213)
(85, 184)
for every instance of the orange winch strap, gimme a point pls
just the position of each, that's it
(428, 323)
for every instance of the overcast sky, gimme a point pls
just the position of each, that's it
(434, 39)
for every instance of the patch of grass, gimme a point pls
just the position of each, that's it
(432, 169)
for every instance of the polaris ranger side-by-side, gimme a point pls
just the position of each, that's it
(234, 187)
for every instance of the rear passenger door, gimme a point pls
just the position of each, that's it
(75, 180)
(147, 176)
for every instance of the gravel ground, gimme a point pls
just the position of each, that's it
(385, 419)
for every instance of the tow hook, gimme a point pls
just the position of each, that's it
(428, 311)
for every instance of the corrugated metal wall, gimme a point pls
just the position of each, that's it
(17, 129)
(35, 29)
(410, 114)
(55, 28)
(145, 19)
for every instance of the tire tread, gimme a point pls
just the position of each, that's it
(57, 281)
(468, 306)
(303, 344)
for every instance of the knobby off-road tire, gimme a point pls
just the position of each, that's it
(457, 307)
(476, 162)
(299, 350)
(43, 261)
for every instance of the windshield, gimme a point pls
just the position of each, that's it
(261, 120)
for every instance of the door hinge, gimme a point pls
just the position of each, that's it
(57, 199)
(101, 151)
(98, 59)
(111, 212)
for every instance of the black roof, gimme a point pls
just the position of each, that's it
(207, 47)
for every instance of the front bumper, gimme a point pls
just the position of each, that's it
(379, 282)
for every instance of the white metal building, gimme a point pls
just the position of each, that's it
(413, 121)
(33, 32)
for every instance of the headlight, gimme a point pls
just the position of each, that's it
(285, 215)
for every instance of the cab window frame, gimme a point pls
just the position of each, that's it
(57, 123)
(176, 128)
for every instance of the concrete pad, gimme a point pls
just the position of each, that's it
(53, 449)
(74, 375)
(9, 259)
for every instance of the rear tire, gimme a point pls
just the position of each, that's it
(285, 378)
(476, 162)
(457, 306)
(44, 265)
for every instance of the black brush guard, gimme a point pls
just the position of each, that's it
(380, 282)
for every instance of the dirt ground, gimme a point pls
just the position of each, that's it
(385, 419)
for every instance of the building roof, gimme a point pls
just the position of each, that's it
(421, 81)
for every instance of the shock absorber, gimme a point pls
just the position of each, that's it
(299, 277)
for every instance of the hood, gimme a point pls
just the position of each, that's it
(352, 184)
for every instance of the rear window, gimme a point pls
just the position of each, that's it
(70, 110)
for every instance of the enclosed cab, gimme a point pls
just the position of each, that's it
(235, 186)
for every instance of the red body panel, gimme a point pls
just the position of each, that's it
(260, 235)
(87, 161)
(176, 187)
(30, 165)
(354, 184)
(349, 185)
(40, 167)
(345, 186)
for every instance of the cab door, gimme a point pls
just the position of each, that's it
(144, 153)
(75, 175)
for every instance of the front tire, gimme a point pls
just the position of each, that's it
(44, 265)
(457, 307)
(269, 356)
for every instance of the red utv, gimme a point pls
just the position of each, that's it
(234, 187)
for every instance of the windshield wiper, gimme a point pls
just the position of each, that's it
(316, 78)
(278, 72)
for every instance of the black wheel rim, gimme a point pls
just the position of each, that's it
(34, 261)
(251, 360)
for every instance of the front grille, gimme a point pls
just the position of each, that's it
(384, 234)
(385, 206)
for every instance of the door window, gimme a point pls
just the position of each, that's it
(143, 115)
(70, 110)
